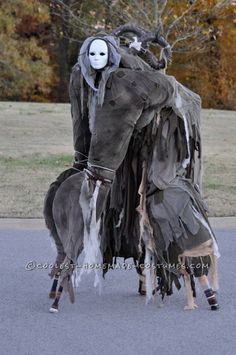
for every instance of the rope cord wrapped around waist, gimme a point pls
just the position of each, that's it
(94, 176)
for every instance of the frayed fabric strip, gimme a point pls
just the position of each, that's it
(92, 252)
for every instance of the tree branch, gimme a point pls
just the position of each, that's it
(69, 14)
(178, 19)
(183, 38)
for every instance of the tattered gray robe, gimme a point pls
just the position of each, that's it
(144, 135)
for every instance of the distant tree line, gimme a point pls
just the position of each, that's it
(40, 39)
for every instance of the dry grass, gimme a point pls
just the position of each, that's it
(36, 145)
(219, 150)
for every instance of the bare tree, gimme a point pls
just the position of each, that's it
(186, 24)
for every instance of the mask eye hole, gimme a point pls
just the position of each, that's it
(102, 53)
(92, 54)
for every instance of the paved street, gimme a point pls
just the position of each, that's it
(118, 321)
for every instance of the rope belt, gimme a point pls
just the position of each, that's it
(93, 176)
(100, 167)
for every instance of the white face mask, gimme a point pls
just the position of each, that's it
(98, 54)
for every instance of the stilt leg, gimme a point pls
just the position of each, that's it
(142, 285)
(54, 307)
(209, 293)
(53, 292)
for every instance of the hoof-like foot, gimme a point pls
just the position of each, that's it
(142, 293)
(215, 307)
(190, 307)
(142, 288)
(53, 310)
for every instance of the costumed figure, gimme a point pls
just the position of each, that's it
(135, 187)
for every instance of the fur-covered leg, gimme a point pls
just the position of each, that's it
(49, 218)
(190, 300)
(50, 223)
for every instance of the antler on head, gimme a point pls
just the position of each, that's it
(128, 28)
(145, 38)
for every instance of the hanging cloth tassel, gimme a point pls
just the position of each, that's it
(146, 235)
(93, 256)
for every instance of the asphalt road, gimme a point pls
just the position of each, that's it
(116, 322)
